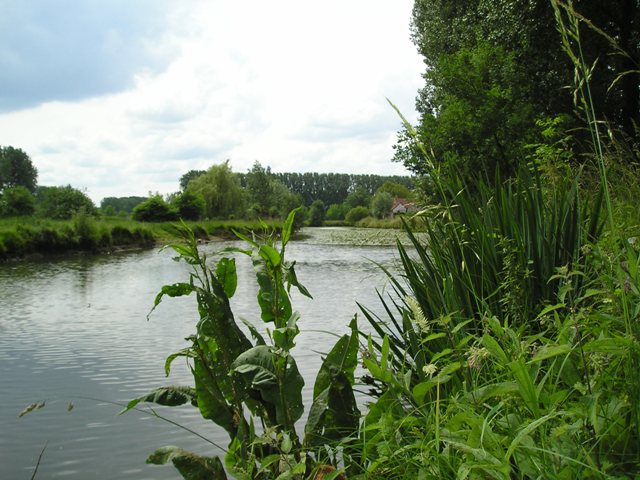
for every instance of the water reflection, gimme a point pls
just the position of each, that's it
(75, 330)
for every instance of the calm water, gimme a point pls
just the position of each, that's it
(73, 332)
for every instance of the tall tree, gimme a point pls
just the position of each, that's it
(494, 67)
(190, 175)
(17, 169)
(221, 190)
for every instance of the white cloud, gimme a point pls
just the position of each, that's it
(298, 86)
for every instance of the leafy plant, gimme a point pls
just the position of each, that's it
(252, 388)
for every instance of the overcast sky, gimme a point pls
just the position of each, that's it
(122, 97)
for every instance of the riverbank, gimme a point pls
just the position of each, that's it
(24, 237)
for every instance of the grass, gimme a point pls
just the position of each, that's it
(32, 235)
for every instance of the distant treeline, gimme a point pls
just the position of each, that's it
(121, 204)
(331, 188)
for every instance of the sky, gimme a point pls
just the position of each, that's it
(121, 97)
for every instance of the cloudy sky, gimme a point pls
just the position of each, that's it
(122, 97)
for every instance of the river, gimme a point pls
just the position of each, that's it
(74, 334)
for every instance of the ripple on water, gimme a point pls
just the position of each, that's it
(75, 330)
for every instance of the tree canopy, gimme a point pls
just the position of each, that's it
(17, 169)
(496, 67)
(221, 191)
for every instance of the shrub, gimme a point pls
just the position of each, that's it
(356, 214)
(381, 204)
(316, 213)
(154, 209)
(86, 230)
(62, 202)
(189, 205)
(17, 201)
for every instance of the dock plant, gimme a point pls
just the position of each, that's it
(248, 384)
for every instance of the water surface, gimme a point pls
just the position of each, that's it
(74, 334)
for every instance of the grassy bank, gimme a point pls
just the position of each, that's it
(22, 236)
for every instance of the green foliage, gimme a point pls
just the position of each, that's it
(333, 188)
(381, 204)
(356, 214)
(120, 204)
(359, 197)
(17, 201)
(17, 169)
(395, 189)
(187, 177)
(237, 380)
(495, 67)
(221, 190)
(61, 203)
(86, 231)
(189, 205)
(316, 213)
(336, 211)
(154, 209)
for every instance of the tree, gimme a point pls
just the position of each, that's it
(121, 204)
(154, 209)
(190, 175)
(494, 67)
(395, 189)
(358, 198)
(62, 202)
(17, 202)
(189, 205)
(259, 189)
(356, 214)
(381, 204)
(336, 211)
(221, 190)
(16, 168)
(316, 213)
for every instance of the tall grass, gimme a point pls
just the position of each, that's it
(509, 346)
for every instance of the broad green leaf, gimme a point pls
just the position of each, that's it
(211, 401)
(527, 430)
(175, 290)
(495, 349)
(185, 352)
(548, 351)
(482, 394)
(170, 396)
(254, 332)
(292, 280)
(343, 357)
(227, 276)
(270, 255)
(287, 227)
(608, 345)
(334, 413)
(526, 387)
(273, 380)
(190, 466)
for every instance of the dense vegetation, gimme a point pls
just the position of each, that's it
(510, 344)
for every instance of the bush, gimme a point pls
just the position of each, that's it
(155, 209)
(356, 214)
(86, 230)
(189, 205)
(17, 202)
(381, 204)
(62, 203)
(316, 213)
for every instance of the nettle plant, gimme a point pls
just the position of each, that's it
(252, 387)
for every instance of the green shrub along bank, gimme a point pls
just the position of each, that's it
(29, 235)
